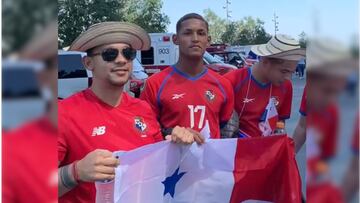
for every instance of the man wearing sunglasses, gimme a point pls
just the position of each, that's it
(103, 118)
(187, 93)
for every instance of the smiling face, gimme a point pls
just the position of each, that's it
(192, 38)
(116, 72)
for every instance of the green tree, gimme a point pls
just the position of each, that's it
(251, 31)
(216, 25)
(246, 31)
(21, 19)
(303, 39)
(76, 16)
(229, 36)
(147, 14)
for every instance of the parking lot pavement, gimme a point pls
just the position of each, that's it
(298, 88)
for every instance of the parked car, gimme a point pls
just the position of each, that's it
(72, 75)
(138, 78)
(217, 65)
(22, 98)
(231, 57)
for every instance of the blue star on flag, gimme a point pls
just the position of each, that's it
(170, 182)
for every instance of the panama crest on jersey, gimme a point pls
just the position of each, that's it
(275, 100)
(140, 124)
(209, 94)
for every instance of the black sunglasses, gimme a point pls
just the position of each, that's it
(110, 54)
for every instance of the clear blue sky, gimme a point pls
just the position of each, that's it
(336, 18)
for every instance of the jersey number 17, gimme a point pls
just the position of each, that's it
(195, 109)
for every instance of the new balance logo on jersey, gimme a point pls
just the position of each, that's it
(247, 100)
(178, 96)
(98, 131)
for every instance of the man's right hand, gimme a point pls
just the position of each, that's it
(98, 165)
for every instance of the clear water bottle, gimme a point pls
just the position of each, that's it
(280, 128)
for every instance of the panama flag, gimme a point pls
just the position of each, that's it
(269, 118)
(261, 169)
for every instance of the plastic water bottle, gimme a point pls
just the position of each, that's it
(280, 128)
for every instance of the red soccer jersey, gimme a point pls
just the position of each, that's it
(29, 166)
(191, 102)
(252, 97)
(355, 140)
(302, 109)
(324, 127)
(86, 123)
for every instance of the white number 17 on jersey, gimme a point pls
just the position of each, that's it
(194, 109)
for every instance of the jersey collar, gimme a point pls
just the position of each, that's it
(194, 78)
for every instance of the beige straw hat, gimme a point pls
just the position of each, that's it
(112, 32)
(329, 56)
(280, 46)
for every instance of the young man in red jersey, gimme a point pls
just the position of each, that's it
(103, 118)
(263, 93)
(187, 93)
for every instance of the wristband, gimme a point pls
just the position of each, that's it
(75, 173)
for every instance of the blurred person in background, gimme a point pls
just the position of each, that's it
(329, 65)
(29, 167)
(301, 66)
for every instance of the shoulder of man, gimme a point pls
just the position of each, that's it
(160, 76)
(237, 76)
(75, 101)
(138, 104)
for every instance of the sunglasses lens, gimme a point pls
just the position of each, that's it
(129, 53)
(109, 54)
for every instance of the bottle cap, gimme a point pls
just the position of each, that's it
(280, 124)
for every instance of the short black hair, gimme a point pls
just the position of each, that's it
(191, 16)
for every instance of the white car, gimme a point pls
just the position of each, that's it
(72, 75)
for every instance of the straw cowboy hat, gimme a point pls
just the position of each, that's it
(329, 56)
(282, 47)
(112, 32)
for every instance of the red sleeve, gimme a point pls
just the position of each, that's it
(8, 170)
(149, 94)
(355, 140)
(285, 108)
(62, 144)
(302, 109)
(158, 136)
(231, 77)
(228, 106)
(329, 144)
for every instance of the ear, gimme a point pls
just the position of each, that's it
(88, 63)
(175, 39)
(209, 40)
(264, 60)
